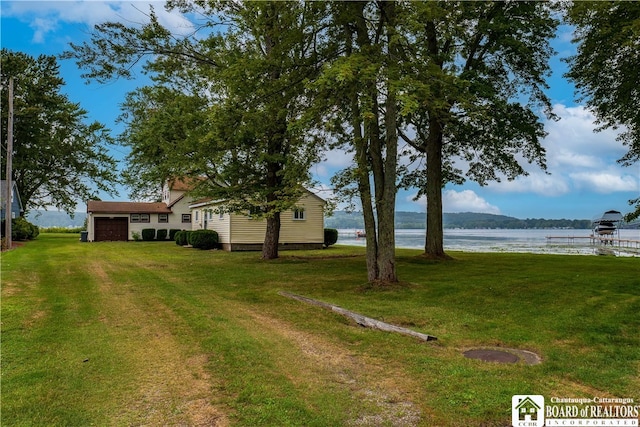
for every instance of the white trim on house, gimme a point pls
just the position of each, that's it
(174, 205)
(238, 231)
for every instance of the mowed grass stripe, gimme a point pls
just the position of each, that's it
(150, 333)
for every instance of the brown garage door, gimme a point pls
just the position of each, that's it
(111, 229)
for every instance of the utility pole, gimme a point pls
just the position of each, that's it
(9, 193)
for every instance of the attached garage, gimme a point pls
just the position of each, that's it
(121, 221)
(111, 229)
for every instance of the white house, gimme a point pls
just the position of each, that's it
(300, 228)
(119, 220)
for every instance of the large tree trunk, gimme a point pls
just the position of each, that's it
(362, 147)
(434, 242)
(275, 146)
(434, 245)
(386, 199)
(364, 189)
(271, 237)
(376, 152)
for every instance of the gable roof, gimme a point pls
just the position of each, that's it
(3, 194)
(98, 206)
(527, 402)
(176, 201)
(183, 184)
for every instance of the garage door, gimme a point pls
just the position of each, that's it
(111, 229)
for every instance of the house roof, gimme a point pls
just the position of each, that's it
(183, 184)
(211, 201)
(3, 193)
(527, 402)
(176, 201)
(203, 202)
(96, 206)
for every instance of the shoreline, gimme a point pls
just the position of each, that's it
(506, 241)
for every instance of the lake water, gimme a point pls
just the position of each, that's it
(530, 241)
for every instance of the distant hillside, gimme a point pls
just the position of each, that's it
(56, 219)
(345, 220)
(469, 220)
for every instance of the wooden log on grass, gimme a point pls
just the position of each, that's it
(361, 320)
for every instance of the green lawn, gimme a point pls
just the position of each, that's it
(136, 333)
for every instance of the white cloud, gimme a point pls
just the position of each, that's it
(537, 182)
(45, 17)
(460, 201)
(338, 158)
(577, 158)
(334, 160)
(42, 26)
(605, 182)
(571, 141)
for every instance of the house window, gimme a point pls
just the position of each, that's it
(163, 217)
(186, 218)
(298, 214)
(140, 217)
(221, 215)
(197, 214)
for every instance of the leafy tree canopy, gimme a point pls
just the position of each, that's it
(606, 69)
(58, 158)
(227, 105)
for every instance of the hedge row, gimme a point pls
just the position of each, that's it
(21, 229)
(149, 234)
(199, 239)
(208, 239)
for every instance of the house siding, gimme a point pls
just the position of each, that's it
(175, 218)
(222, 227)
(248, 233)
(308, 230)
(239, 231)
(245, 229)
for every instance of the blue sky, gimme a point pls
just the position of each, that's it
(584, 179)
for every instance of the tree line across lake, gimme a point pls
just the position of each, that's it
(470, 220)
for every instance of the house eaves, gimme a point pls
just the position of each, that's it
(102, 207)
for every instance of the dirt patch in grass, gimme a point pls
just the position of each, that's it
(10, 289)
(14, 245)
(384, 393)
(171, 387)
(36, 316)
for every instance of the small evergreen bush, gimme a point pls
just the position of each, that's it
(180, 237)
(330, 237)
(21, 229)
(161, 234)
(148, 234)
(172, 233)
(187, 236)
(203, 239)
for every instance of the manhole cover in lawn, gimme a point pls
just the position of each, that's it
(486, 355)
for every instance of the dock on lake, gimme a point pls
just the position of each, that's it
(599, 241)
